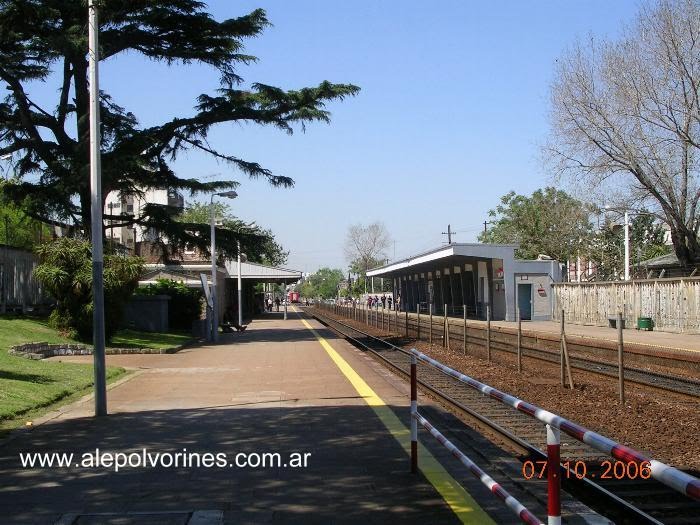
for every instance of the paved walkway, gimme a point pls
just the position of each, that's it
(273, 388)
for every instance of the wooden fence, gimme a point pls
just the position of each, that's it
(673, 304)
(19, 289)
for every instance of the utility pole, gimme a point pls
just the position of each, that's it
(240, 289)
(449, 234)
(627, 246)
(214, 317)
(98, 314)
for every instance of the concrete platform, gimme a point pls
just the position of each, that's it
(273, 388)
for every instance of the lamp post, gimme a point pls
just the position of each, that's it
(240, 290)
(4, 280)
(96, 203)
(214, 310)
(627, 245)
(626, 227)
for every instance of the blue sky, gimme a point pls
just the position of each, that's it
(452, 109)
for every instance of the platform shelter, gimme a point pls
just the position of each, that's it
(253, 274)
(474, 277)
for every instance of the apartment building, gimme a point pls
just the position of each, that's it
(118, 203)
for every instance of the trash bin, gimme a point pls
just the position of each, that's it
(645, 323)
(199, 328)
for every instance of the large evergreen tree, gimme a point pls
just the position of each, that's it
(50, 145)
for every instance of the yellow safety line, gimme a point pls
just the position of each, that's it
(459, 500)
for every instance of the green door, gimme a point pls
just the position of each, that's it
(525, 301)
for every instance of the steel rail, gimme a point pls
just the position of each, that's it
(621, 506)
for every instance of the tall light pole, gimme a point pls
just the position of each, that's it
(627, 245)
(5, 259)
(98, 314)
(214, 309)
(240, 290)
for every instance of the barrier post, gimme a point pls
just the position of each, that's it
(431, 325)
(488, 332)
(406, 321)
(464, 330)
(620, 357)
(553, 478)
(520, 335)
(414, 412)
(382, 317)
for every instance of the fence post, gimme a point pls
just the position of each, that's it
(418, 322)
(445, 341)
(406, 320)
(620, 357)
(488, 332)
(553, 478)
(464, 331)
(562, 335)
(414, 411)
(396, 319)
(431, 325)
(520, 335)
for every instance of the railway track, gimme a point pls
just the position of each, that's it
(624, 501)
(648, 378)
(685, 386)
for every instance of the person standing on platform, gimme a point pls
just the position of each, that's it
(277, 303)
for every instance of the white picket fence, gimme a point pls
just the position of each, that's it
(673, 304)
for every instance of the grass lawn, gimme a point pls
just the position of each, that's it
(26, 384)
(28, 387)
(132, 338)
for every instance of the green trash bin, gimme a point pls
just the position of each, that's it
(645, 323)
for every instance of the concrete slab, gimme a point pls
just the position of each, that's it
(271, 389)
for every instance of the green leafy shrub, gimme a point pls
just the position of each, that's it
(65, 270)
(185, 303)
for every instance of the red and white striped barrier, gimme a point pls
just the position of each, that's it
(518, 508)
(666, 474)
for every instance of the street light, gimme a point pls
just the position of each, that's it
(626, 226)
(96, 224)
(3, 277)
(214, 312)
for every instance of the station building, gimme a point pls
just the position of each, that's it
(474, 277)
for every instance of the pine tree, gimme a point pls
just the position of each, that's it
(49, 145)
